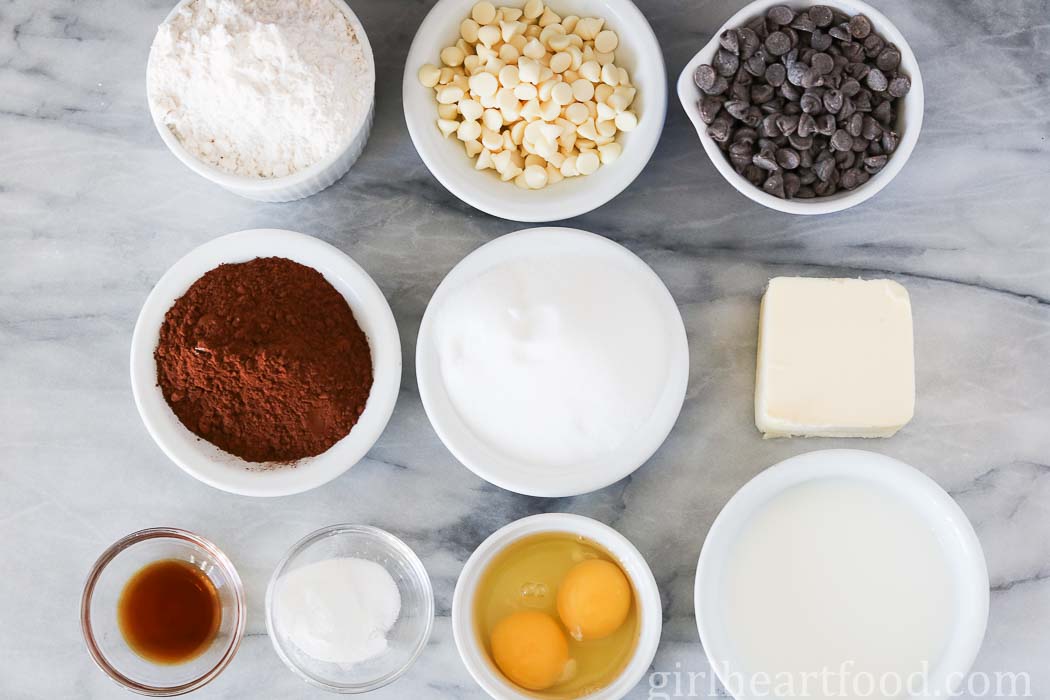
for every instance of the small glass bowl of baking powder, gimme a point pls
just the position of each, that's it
(306, 577)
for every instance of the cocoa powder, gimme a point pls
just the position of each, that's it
(265, 360)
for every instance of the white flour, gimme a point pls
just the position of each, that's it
(261, 88)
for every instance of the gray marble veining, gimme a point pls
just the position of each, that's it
(93, 209)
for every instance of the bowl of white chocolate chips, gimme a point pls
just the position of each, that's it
(535, 111)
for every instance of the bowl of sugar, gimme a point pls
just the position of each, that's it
(350, 608)
(847, 565)
(552, 362)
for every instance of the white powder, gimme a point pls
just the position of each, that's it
(338, 610)
(553, 361)
(261, 88)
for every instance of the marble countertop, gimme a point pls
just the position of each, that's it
(93, 209)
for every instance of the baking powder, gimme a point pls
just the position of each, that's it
(261, 88)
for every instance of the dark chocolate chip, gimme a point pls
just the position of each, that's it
(780, 14)
(719, 129)
(889, 59)
(726, 62)
(749, 42)
(820, 41)
(778, 43)
(730, 41)
(803, 23)
(876, 80)
(841, 140)
(788, 158)
(833, 101)
(859, 26)
(850, 87)
(821, 15)
(871, 129)
(710, 106)
(766, 159)
(874, 164)
(811, 103)
(776, 74)
(787, 123)
(841, 32)
(774, 185)
(762, 93)
(899, 86)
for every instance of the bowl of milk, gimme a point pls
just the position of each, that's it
(841, 573)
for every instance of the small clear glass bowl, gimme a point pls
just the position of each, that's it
(406, 639)
(105, 583)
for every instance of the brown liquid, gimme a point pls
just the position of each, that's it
(169, 612)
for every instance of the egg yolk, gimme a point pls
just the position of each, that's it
(530, 649)
(594, 599)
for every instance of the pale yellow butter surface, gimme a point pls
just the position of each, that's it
(835, 358)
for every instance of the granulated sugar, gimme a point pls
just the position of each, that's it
(261, 88)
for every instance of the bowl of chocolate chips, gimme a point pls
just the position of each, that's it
(806, 108)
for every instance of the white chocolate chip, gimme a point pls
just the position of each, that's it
(606, 41)
(591, 70)
(452, 56)
(428, 75)
(577, 113)
(484, 12)
(488, 36)
(582, 90)
(449, 95)
(609, 152)
(561, 62)
(533, 9)
(468, 29)
(471, 109)
(447, 126)
(484, 84)
(536, 176)
(587, 162)
(561, 93)
(626, 121)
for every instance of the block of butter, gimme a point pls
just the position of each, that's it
(835, 358)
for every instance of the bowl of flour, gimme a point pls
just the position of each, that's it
(270, 99)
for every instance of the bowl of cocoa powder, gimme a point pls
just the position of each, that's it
(265, 363)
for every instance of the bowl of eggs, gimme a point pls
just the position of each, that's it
(533, 110)
(556, 606)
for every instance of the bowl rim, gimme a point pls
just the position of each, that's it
(198, 457)
(389, 541)
(630, 560)
(513, 474)
(513, 206)
(255, 185)
(124, 543)
(913, 104)
(921, 493)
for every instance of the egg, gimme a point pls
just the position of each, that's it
(594, 599)
(530, 649)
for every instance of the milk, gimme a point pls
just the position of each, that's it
(842, 575)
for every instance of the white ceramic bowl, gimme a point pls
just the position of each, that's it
(647, 596)
(300, 184)
(516, 475)
(207, 462)
(909, 112)
(952, 529)
(639, 52)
